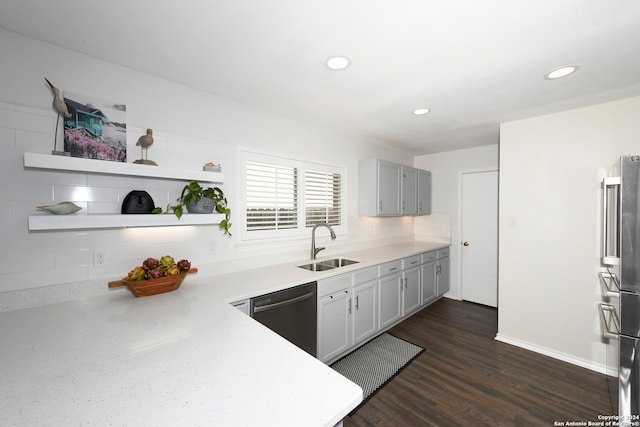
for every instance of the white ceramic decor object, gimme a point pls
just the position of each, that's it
(63, 208)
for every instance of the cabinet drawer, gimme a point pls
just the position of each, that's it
(412, 261)
(334, 284)
(444, 252)
(365, 275)
(429, 256)
(390, 267)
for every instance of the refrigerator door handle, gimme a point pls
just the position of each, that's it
(609, 321)
(610, 220)
(611, 285)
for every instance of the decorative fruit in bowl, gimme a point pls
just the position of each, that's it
(156, 276)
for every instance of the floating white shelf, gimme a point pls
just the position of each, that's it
(75, 221)
(76, 164)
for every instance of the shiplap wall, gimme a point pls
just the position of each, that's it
(190, 129)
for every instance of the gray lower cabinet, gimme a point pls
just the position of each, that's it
(429, 289)
(442, 270)
(242, 305)
(411, 286)
(389, 293)
(365, 313)
(355, 307)
(428, 270)
(347, 312)
(334, 326)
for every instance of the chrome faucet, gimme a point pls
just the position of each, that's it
(314, 250)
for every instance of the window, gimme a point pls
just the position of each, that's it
(323, 198)
(284, 197)
(271, 197)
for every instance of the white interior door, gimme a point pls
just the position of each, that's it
(480, 237)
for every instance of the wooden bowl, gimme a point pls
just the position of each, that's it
(145, 288)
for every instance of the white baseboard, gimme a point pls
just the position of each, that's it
(556, 355)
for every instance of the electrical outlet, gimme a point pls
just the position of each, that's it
(99, 258)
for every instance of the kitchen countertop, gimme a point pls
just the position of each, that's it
(181, 358)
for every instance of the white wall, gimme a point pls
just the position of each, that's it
(444, 222)
(190, 128)
(550, 173)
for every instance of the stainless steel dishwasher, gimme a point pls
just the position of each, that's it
(291, 313)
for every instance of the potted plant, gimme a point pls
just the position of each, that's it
(204, 200)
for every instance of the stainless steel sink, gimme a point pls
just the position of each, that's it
(328, 264)
(316, 266)
(339, 262)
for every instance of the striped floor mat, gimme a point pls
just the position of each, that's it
(377, 362)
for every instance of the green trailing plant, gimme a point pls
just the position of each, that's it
(195, 192)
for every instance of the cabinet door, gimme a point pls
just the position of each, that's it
(443, 276)
(334, 327)
(428, 282)
(388, 188)
(409, 191)
(242, 305)
(424, 192)
(389, 301)
(365, 305)
(411, 290)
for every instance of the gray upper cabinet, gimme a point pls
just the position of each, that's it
(390, 189)
(409, 202)
(424, 192)
(380, 183)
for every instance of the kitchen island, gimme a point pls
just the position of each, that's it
(182, 358)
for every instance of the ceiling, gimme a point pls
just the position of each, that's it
(474, 63)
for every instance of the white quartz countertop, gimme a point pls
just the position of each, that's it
(182, 358)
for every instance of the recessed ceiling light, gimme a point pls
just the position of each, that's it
(337, 63)
(420, 111)
(559, 72)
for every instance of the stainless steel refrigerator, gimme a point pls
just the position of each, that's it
(620, 312)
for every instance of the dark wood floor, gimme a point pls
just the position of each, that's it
(467, 378)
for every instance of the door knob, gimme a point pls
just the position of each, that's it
(465, 244)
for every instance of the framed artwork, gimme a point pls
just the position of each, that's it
(96, 128)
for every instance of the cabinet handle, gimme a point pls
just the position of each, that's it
(380, 205)
(349, 302)
(394, 268)
(406, 281)
(357, 301)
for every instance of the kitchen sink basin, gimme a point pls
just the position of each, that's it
(316, 266)
(339, 262)
(328, 264)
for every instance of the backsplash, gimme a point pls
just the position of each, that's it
(30, 260)
(44, 267)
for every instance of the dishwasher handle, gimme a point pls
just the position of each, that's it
(283, 303)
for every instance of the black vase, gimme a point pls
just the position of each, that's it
(137, 202)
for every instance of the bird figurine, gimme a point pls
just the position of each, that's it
(145, 142)
(61, 108)
(58, 103)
